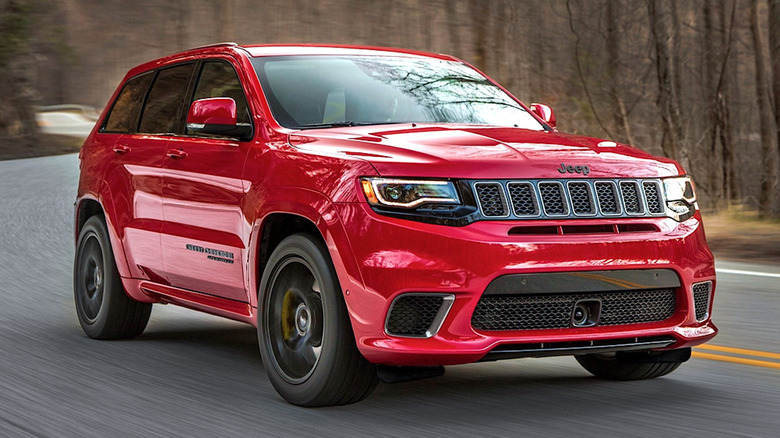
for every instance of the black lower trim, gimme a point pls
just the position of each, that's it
(583, 281)
(514, 351)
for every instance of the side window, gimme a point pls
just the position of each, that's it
(162, 113)
(124, 114)
(218, 79)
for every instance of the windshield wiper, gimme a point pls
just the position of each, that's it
(341, 124)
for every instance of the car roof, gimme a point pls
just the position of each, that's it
(335, 49)
(262, 50)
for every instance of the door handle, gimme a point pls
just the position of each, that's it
(121, 149)
(176, 154)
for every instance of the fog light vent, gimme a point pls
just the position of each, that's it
(702, 294)
(417, 315)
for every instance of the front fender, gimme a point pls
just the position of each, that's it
(317, 209)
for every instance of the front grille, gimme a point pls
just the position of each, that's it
(701, 300)
(417, 315)
(491, 199)
(581, 199)
(553, 198)
(609, 202)
(553, 311)
(574, 198)
(653, 196)
(631, 201)
(523, 199)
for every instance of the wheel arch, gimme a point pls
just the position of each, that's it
(317, 217)
(89, 205)
(276, 227)
(86, 207)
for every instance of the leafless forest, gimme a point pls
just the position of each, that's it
(695, 80)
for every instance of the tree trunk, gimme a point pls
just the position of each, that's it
(766, 120)
(716, 50)
(614, 69)
(730, 94)
(674, 144)
(17, 116)
(479, 12)
(774, 55)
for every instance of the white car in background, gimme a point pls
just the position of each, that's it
(72, 120)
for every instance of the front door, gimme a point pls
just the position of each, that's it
(205, 234)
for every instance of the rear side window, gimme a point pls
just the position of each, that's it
(124, 115)
(163, 112)
(219, 79)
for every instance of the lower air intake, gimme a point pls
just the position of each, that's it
(554, 311)
(701, 299)
(417, 315)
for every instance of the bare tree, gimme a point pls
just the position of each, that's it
(766, 199)
(673, 142)
(729, 90)
(717, 39)
(774, 55)
(613, 21)
(17, 117)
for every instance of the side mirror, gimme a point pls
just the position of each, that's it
(545, 113)
(217, 116)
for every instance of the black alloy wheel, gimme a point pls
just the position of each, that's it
(103, 308)
(305, 336)
(295, 307)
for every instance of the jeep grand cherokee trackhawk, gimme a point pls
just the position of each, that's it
(374, 209)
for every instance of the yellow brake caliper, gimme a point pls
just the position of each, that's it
(288, 314)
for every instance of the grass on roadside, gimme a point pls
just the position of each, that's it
(739, 234)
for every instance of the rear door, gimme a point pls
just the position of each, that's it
(205, 234)
(133, 177)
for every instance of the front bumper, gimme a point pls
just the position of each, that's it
(396, 257)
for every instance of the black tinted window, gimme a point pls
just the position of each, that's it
(218, 79)
(162, 113)
(124, 114)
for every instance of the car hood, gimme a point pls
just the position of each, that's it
(469, 152)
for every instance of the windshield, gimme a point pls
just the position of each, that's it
(322, 91)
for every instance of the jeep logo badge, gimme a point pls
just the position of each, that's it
(574, 169)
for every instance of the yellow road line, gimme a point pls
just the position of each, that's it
(739, 351)
(739, 360)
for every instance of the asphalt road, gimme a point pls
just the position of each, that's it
(194, 375)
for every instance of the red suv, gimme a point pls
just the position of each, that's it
(378, 213)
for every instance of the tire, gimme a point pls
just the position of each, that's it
(304, 333)
(104, 310)
(633, 366)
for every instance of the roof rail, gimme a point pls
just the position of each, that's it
(222, 44)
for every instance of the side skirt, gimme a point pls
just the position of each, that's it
(231, 309)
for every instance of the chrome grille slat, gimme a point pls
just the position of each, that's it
(570, 198)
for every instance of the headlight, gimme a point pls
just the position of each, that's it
(403, 193)
(680, 198)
